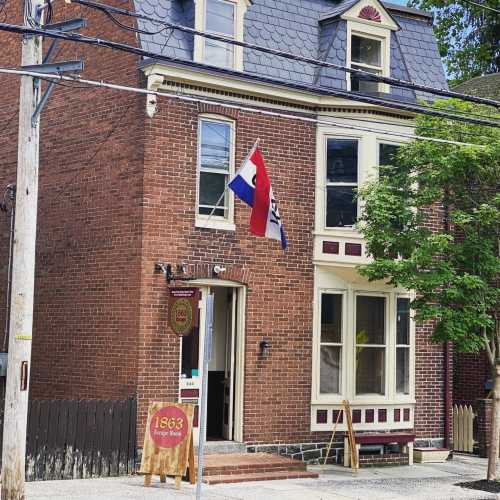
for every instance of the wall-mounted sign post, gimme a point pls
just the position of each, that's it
(168, 443)
(207, 355)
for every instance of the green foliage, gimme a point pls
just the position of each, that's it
(453, 271)
(468, 36)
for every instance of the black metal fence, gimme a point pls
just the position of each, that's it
(80, 439)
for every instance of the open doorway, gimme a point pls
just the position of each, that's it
(221, 366)
(225, 370)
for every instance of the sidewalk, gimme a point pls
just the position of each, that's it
(429, 481)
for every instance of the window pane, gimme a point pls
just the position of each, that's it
(342, 160)
(386, 154)
(220, 17)
(215, 145)
(219, 54)
(403, 370)
(365, 50)
(403, 321)
(370, 320)
(358, 84)
(211, 188)
(190, 345)
(329, 372)
(370, 370)
(331, 318)
(341, 206)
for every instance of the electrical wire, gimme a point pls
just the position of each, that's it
(481, 6)
(362, 73)
(229, 105)
(77, 37)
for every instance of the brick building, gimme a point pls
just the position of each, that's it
(127, 183)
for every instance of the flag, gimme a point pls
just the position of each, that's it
(252, 185)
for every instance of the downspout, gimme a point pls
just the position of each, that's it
(447, 357)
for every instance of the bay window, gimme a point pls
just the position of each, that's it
(341, 182)
(331, 343)
(215, 166)
(370, 344)
(403, 345)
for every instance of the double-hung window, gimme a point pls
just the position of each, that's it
(370, 344)
(331, 343)
(403, 345)
(220, 19)
(366, 54)
(386, 153)
(215, 165)
(341, 182)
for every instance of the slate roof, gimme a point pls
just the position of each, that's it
(294, 26)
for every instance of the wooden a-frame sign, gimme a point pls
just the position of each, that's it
(168, 443)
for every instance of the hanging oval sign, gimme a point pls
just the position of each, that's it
(183, 310)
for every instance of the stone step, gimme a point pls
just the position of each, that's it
(259, 476)
(223, 447)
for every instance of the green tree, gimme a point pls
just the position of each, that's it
(468, 36)
(454, 271)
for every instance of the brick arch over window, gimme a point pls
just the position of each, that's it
(216, 109)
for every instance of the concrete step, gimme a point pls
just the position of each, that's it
(243, 463)
(259, 476)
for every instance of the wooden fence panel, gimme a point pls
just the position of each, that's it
(79, 439)
(463, 424)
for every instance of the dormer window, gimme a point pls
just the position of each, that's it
(224, 18)
(366, 55)
(220, 19)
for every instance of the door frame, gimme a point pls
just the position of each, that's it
(239, 356)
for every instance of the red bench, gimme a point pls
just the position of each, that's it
(405, 439)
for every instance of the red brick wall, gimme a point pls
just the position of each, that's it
(89, 226)
(471, 372)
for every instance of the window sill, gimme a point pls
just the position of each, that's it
(223, 225)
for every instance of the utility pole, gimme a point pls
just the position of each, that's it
(23, 273)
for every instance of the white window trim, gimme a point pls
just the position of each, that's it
(199, 24)
(375, 33)
(216, 221)
(348, 368)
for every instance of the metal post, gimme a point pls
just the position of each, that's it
(23, 274)
(207, 355)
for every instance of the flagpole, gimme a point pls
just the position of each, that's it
(255, 146)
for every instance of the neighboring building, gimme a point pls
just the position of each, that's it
(472, 379)
(121, 191)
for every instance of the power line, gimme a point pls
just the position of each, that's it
(388, 103)
(229, 105)
(481, 6)
(108, 9)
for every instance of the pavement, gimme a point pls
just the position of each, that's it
(422, 481)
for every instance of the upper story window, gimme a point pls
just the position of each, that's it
(366, 54)
(220, 19)
(215, 166)
(341, 182)
(386, 153)
(224, 18)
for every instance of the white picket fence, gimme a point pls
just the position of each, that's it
(463, 420)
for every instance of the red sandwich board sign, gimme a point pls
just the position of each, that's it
(168, 442)
(183, 310)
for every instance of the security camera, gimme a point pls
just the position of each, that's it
(218, 269)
